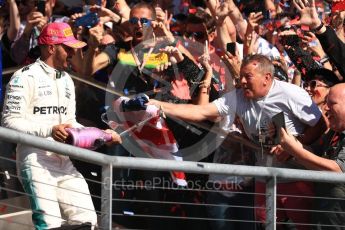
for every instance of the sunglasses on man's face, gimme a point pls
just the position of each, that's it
(313, 84)
(135, 20)
(197, 35)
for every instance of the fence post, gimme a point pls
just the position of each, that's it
(271, 203)
(107, 196)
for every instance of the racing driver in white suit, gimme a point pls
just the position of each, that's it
(40, 100)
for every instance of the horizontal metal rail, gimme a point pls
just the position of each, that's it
(168, 165)
(271, 175)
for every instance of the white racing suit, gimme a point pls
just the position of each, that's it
(37, 98)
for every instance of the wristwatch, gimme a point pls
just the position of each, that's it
(318, 28)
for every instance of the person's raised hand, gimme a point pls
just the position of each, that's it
(233, 62)
(76, 30)
(288, 142)
(254, 20)
(175, 55)
(161, 31)
(95, 36)
(309, 15)
(33, 19)
(160, 14)
(204, 59)
(105, 15)
(280, 153)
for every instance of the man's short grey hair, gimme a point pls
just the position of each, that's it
(265, 65)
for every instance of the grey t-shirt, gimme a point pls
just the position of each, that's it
(256, 116)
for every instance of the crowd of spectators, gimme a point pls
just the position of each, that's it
(233, 63)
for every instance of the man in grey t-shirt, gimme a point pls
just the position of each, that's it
(256, 102)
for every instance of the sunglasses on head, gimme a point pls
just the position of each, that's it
(135, 20)
(197, 35)
(313, 84)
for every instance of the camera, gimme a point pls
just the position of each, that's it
(41, 6)
(88, 21)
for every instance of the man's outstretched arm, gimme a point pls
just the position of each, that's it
(188, 112)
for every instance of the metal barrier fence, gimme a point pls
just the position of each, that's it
(109, 162)
(270, 175)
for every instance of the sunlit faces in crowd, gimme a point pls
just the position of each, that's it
(196, 32)
(317, 90)
(140, 16)
(335, 107)
(318, 82)
(256, 76)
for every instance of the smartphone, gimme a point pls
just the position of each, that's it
(231, 47)
(279, 122)
(41, 6)
(88, 21)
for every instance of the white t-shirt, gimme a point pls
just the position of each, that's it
(298, 108)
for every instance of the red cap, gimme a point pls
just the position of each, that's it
(59, 33)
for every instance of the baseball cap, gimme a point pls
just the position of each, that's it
(59, 33)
